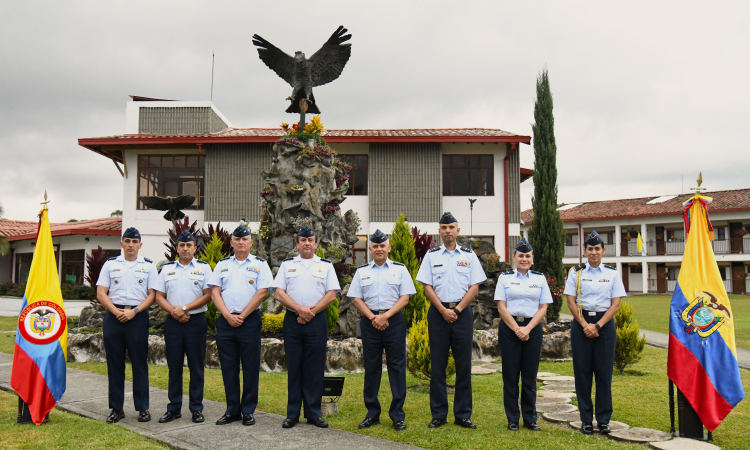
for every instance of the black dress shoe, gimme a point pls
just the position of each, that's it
(532, 426)
(198, 417)
(587, 428)
(368, 422)
(604, 428)
(319, 422)
(248, 419)
(115, 416)
(144, 416)
(466, 423)
(513, 426)
(289, 422)
(399, 426)
(437, 423)
(169, 416)
(225, 419)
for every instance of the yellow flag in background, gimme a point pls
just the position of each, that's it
(640, 243)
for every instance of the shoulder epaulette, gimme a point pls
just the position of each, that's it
(538, 273)
(260, 259)
(434, 249)
(148, 260)
(398, 263)
(223, 259)
(288, 259)
(201, 262)
(464, 249)
(112, 259)
(610, 267)
(363, 265)
(508, 272)
(325, 260)
(580, 266)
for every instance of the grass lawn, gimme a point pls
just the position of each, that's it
(65, 430)
(652, 313)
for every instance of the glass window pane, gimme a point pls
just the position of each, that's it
(486, 161)
(359, 186)
(142, 161)
(345, 159)
(179, 161)
(461, 183)
(192, 161)
(446, 161)
(458, 161)
(154, 161)
(474, 182)
(473, 161)
(202, 161)
(446, 182)
(488, 182)
(360, 161)
(167, 161)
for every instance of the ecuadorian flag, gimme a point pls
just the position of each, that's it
(39, 357)
(702, 355)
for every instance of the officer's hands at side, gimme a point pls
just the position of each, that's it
(591, 331)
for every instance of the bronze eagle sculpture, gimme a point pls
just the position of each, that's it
(172, 205)
(303, 74)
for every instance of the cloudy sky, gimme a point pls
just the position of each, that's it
(645, 93)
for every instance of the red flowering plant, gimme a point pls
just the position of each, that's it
(330, 208)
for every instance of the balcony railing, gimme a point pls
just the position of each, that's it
(652, 247)
(666, 285)
(571, 251)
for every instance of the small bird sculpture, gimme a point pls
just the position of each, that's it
(172, 205)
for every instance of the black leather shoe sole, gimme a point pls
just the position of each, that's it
(532, 427)
(144, 417)
(289, 423)
(437, 423)
(165, 419)
(605, 429)
(513, 426)
(465, 424)
(198, 418)
(115, 418)
(247, 421)
(368, 423)
(226, 420)
(319, 422)
(399, 426)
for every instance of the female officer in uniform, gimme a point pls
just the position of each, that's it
(522, 296)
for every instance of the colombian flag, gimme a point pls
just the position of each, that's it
(702, 357)
(38, 375)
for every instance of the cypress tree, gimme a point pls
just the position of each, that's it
(547, 235)
(403, 251)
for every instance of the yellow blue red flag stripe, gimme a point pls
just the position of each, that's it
(702, 358)
(39, 357)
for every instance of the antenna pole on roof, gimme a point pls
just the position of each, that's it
(213, 59)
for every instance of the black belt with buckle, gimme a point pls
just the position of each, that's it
(587, 313)
(378, 312)
(521, 319)
(236, 314)
(291, 311)
(451, 305)
(123, 306)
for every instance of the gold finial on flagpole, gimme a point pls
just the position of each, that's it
(700, 181)
(45, 199)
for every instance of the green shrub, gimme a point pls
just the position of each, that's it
(77, 292)
(211, 255)
(273, 323)
(332, 314)
(403, 251)
(419, 350)
(629, 345)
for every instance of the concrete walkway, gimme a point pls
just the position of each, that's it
(661, 340)
(86, 395)
(11, 306)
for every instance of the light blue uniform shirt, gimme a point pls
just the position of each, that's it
(128, 282)
(598, 286)
(523, 293)
(381, 286)
(450, 274)
(306, 281)
(184, 284)
(240, 280)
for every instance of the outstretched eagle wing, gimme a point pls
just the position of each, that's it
(158, 203)
(327, 63)
(275, 59)
(182, 201)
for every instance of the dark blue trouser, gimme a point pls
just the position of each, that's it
(594, 357)
(457, 336)
(186, 339)
(520, 358)
(305, 347)
(240, 345)
(393, 341)
(131, 336)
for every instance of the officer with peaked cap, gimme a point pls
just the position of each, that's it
(522, 296)
(182, 291)
(305, 285)
(126, 290)
(381, 289)
(451, 275)
(239, 285)
(594, 291)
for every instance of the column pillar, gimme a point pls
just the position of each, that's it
(644, 266)
(618, 238)
(644, 236)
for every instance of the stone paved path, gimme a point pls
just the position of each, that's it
(86, 395)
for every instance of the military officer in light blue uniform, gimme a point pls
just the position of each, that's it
(522, 296)
(182, 291)
(381, 289)
(593, 334)
(239, 285)
(451, 275)
(126, 290)
(305, 285)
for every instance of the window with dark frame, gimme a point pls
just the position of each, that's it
(490, 239)
(465, 175)
(359, 251)
(358, 174)
(171, 175)
(72, 266)
(23, 266)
